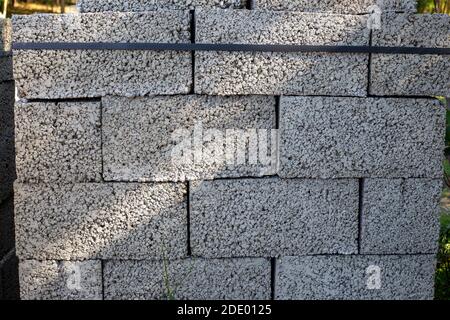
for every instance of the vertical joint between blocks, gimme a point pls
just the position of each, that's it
(193, 36)
(188, 199)
(273, 264)
(360, 211)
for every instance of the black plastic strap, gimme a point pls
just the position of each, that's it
(224, 47)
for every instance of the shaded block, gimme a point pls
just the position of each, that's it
(351, 137)
(400, 216)
(338, 6)
(411, 75)
(355, 277)
(273, 217)
(7, 153)
(191, 279)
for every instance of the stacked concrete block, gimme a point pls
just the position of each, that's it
(355, 277)
(58, 141)
(68, 280)
(90, 221)
(411, 75)
(149, 5)
(338, 6)
(140, 137)
(87, 74)
(199, 279)
(180, 175)
(404, 137)
(243, 73)
(273, 217)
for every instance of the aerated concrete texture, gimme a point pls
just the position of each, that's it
(355, 277)
(234, 73)
(148, 5)
(400, 216)
(182, 138)
(58, 142)
(332, 137)
(400, 74)
(5, 34)
(7, 163)
(273, 217)
(337, 6)
(104, 221)
(189, 279)
(83, 74)
(60, 280)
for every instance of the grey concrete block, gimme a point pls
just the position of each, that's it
(273, 217)
(337, 6)
(231, 73)
(400, 216)
(81, 74)
(7, 154)
(411, 74)
(148, 5)
(9, 277)
(58, 142)
(60, 280)
(190, 279)
(5, 34)
(100, 221)
(6, 67)
(142, 137)
(353, 137)
(6, 226)
(355, 277)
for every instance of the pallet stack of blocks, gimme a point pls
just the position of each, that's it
(340, 200)
(8, 260)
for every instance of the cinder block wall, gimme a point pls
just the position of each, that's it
(9, 285)
(345, 208)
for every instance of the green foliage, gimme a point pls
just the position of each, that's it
(442, 284)
(433, 6)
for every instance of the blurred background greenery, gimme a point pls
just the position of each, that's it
(33, 6)
(8, 7)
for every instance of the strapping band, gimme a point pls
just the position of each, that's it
(225, 47)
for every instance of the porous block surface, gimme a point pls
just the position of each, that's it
(337, 6)
(83, 73)
(265, 73)
(400, 216)
(371, 277)
(58, 142)
(5, 34)
(180, 138)
(411, 75)
(90, 221)
(189, 279)
(148, 5)
(352, 137)
(60, 280)
(273, 217)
